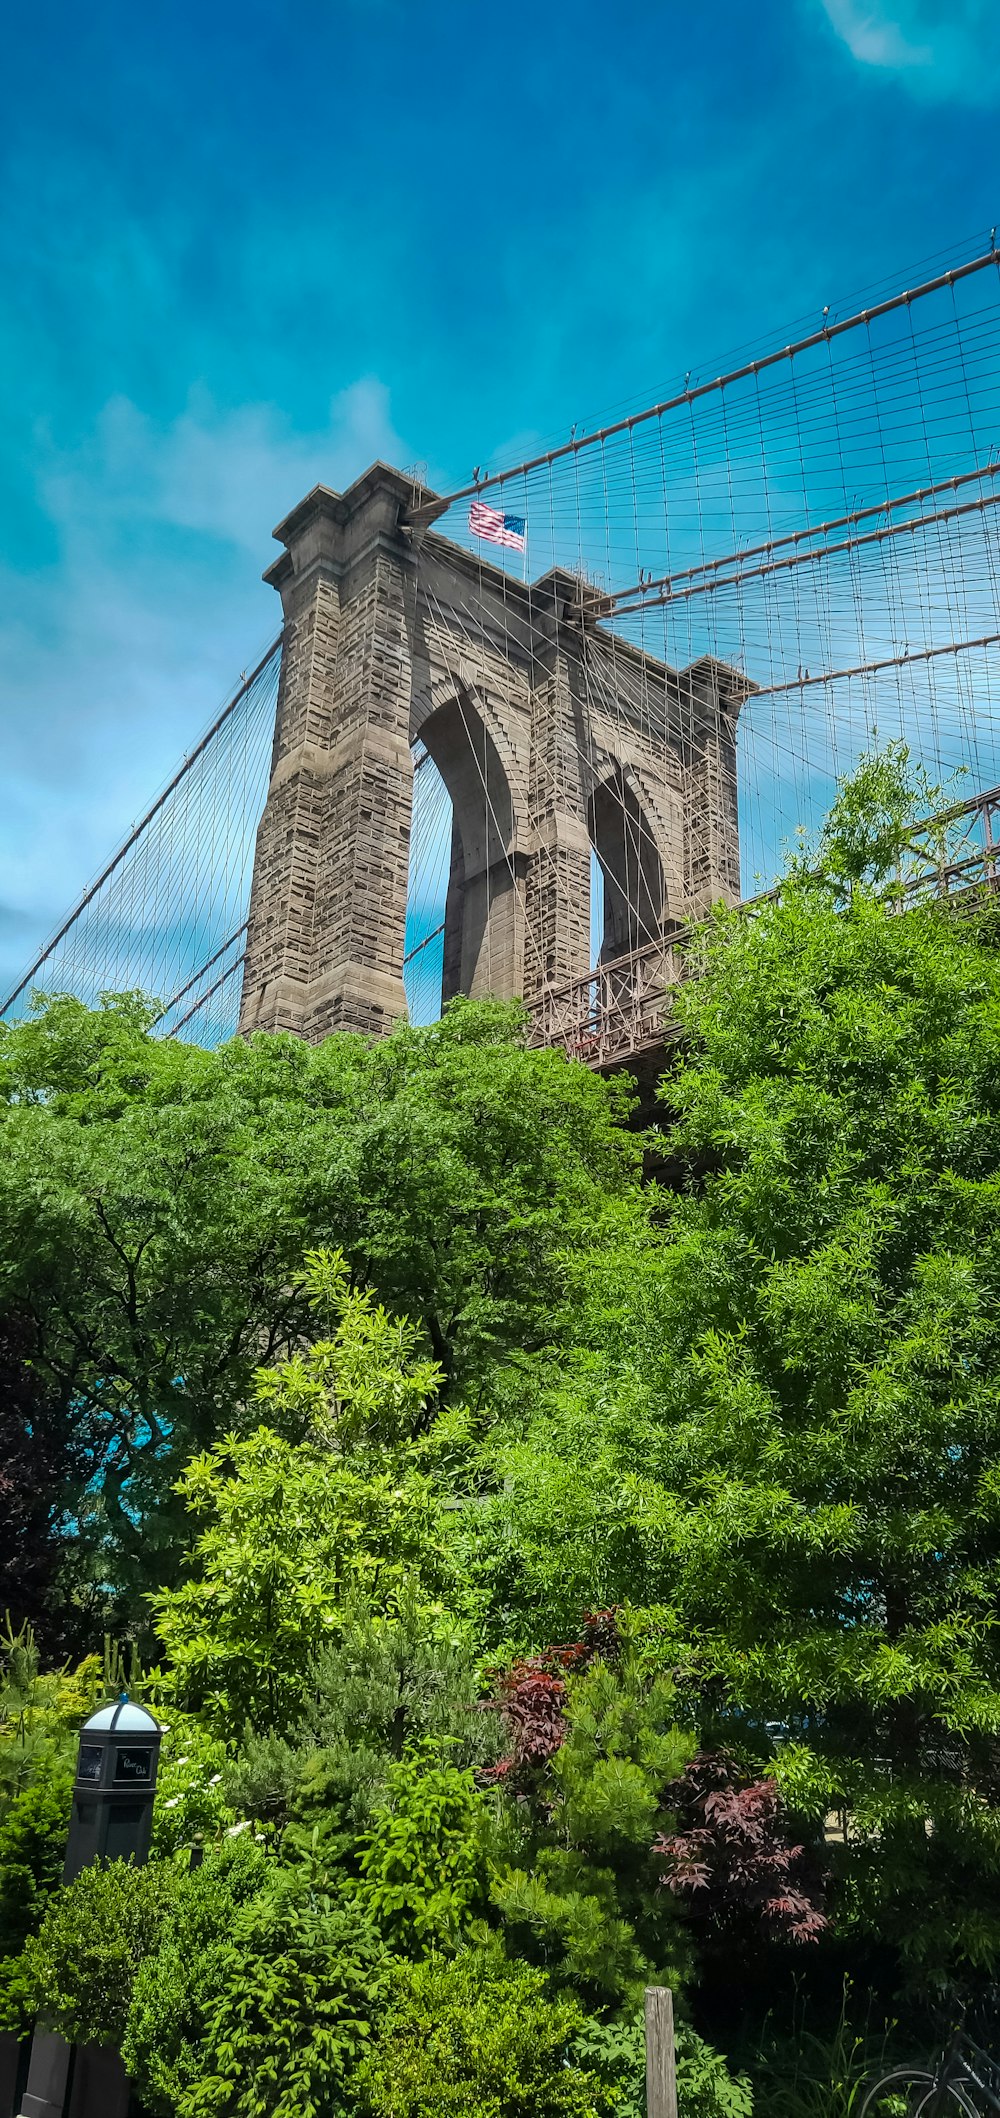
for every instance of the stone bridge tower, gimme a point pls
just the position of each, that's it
(551, 733)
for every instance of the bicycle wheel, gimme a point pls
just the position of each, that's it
(946, 2097)
(914, 2092)
(900, 2094)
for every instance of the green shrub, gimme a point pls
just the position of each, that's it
(32, 1852)
(477, 2036)
(573, 1876)
(80, 1969)
(174, 1989)
(191, 1804)
(296, 1992)
(40, 1710)
(391, 1684)
(33, 1838)
(422, 1864)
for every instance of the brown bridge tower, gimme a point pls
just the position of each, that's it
(552, 734)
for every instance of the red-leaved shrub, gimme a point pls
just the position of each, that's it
(532, 1697)
(732, 1859)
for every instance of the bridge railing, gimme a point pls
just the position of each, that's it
(964, 844)
(627, 1006)
(623, 1006)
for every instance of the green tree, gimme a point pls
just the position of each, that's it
(392, 1683)
(155, 1200)
(181, 1978)
(296, 1529)
(289, 1533)
(422, 1860)
(572, 1513)
(42, 1472)
(575, 1878)
(800, 1400)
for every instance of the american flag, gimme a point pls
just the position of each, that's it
(499, 529)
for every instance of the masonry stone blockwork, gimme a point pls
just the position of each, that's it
(551, 733)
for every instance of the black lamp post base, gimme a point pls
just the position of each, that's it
(48, 2076)
(67, 2081)
(101, 2087)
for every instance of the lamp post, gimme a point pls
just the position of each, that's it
(111, 1820)
(113, 1791)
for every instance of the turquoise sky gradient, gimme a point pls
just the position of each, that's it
(246, 248)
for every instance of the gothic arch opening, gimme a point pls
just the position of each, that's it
(462, 839)
(427, 883)
(629, 895)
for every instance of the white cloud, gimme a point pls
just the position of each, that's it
(118, 655)
(226, 475)
(947, 50)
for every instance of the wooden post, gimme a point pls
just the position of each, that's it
(661, 2071)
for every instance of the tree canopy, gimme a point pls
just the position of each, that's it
(156, 1201)
(555, 1581)
(791, 1431)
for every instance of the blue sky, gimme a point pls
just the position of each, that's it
(246, 248)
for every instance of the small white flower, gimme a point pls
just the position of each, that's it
(184, 1761)
(233, 1830)
(173, 1802)
(214, 1781)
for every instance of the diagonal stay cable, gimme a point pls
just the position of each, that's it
(200, 973)
(208, 994)
(126, 847)
(432, 509)
(662, 589)
(861, 669)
